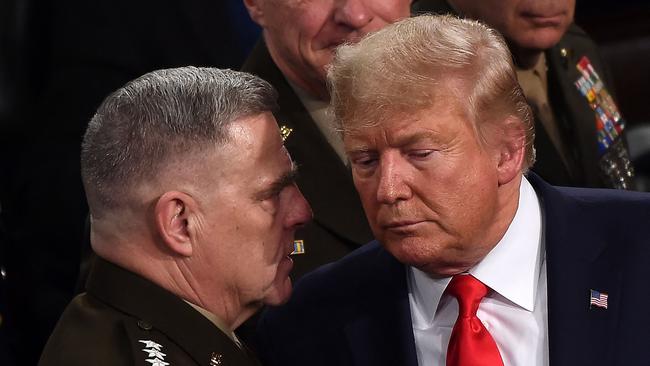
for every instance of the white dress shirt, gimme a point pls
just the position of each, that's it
(514, 312)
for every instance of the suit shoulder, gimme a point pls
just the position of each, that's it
(607, 198)
(340, 289)
(347, 274)
(607, 215)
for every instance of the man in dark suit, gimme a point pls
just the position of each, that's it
(298, 43)
(580, 141)
(475, 262)
(186, 250)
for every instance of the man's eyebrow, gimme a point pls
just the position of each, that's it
(399, 142)
(416, 137)
(286, 179)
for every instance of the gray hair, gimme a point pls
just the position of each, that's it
(157, 118)
(410, 64)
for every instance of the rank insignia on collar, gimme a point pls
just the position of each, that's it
(285, 132)
(154, 353)
(298, 247)
(216, 359)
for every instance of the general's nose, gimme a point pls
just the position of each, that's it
(300, 210)
(353, 13)
(392, 185)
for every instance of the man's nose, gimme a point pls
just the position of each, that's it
(353, 13)
(392, 185)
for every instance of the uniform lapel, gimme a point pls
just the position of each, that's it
(324, 180)
(165, 312)
(572, 110)
(578, 261)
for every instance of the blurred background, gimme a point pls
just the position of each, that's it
(59, 59)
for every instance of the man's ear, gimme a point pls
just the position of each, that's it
(172, 213)
(512, 150)
(255, 10)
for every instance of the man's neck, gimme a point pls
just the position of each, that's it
(525, 59)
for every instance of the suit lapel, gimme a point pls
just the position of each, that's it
(324, 180)
(577, 262)
(383, 333)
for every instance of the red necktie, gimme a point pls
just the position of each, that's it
(470, 344)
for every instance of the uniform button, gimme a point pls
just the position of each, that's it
(144, 325)
(564, 52)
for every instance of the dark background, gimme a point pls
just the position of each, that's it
(59, 59)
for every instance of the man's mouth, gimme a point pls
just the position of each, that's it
(544, 19)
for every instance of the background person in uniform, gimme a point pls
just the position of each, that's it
(299, 38)
(439, 136)
(575, 145)
(193, 212)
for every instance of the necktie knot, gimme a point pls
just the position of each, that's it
(469, 292)
(470, 343)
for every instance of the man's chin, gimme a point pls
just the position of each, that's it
(540, 40)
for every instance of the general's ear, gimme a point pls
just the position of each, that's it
(512, 150)
(172, 212)
(256, 11)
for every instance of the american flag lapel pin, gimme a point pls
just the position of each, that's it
(598, 299)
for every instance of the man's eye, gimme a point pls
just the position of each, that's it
(420, 154)
(365, 162)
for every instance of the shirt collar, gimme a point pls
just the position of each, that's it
(214, 319)
(520, 248)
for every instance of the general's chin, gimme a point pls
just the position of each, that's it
(281, 288)
(280, 292)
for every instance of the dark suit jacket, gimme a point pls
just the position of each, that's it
(110, 323)
(356, 311)
(576, 120)
(339, 224)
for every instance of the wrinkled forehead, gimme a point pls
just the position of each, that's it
(375, 110)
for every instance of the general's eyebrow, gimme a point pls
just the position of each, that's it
(286, 179)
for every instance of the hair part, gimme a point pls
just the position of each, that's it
(418, 62)
(159, 117)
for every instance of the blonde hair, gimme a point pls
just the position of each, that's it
(411, 64)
